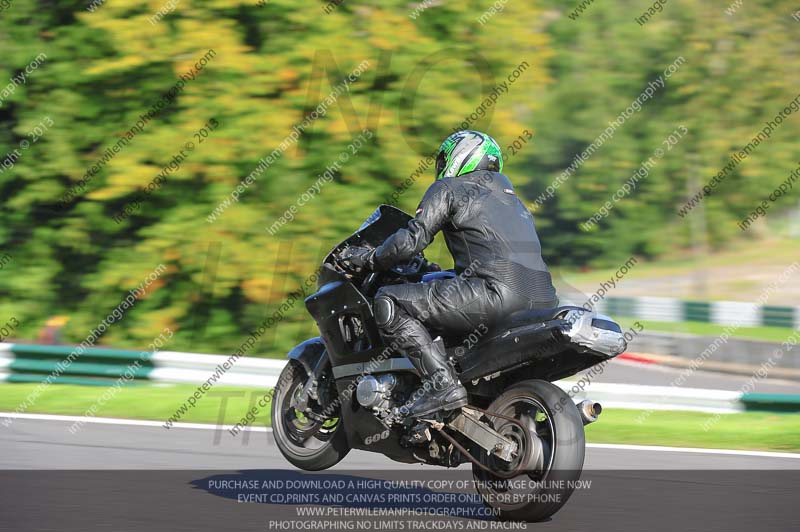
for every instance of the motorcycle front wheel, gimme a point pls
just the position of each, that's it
(309, 444)
(553, 453)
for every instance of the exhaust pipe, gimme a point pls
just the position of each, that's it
(589, 411)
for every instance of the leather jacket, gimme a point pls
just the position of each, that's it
(488, 230)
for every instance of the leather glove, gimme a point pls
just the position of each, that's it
(358, 258)
(433, 267)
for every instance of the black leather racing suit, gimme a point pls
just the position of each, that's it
(497, 256)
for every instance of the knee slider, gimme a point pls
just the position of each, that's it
(384, 311)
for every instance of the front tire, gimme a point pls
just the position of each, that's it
(309, 445)
(555, 462)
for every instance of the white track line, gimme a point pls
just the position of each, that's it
(118, 421)
(766, 454)
(206, 426)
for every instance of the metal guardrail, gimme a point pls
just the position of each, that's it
(633, 396)
(101, 366)
(718, 312)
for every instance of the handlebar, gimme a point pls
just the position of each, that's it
(414, 266)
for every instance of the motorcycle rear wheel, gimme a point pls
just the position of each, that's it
(557, 430)
(308, 444)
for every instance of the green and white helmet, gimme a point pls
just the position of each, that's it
(466, 151)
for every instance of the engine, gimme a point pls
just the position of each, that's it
(384, 395)
(375, 393)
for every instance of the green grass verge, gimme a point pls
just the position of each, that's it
(769, 334)
(155, 402)
(750, 430)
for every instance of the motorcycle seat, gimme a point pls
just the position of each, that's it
(513, 320)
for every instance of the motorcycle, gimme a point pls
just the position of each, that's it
(347, 390)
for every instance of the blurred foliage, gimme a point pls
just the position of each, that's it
(739, 72)
(274, 63)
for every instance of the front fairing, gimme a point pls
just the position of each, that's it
(381, 224)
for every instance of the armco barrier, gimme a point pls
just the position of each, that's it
(100, 366)
(34, 363)
(615, 395)
(718, 312)
(771, 402)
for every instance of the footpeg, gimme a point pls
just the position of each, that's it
(420, 434)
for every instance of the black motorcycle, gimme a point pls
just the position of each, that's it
(347, 390)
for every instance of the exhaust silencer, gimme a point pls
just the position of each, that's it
(589, 411)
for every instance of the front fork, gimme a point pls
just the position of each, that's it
(311, 388)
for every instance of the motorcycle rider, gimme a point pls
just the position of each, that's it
(492, 238)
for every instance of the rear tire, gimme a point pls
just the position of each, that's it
(553, 419)
(307, 444)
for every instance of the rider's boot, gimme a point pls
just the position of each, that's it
(441, 389)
